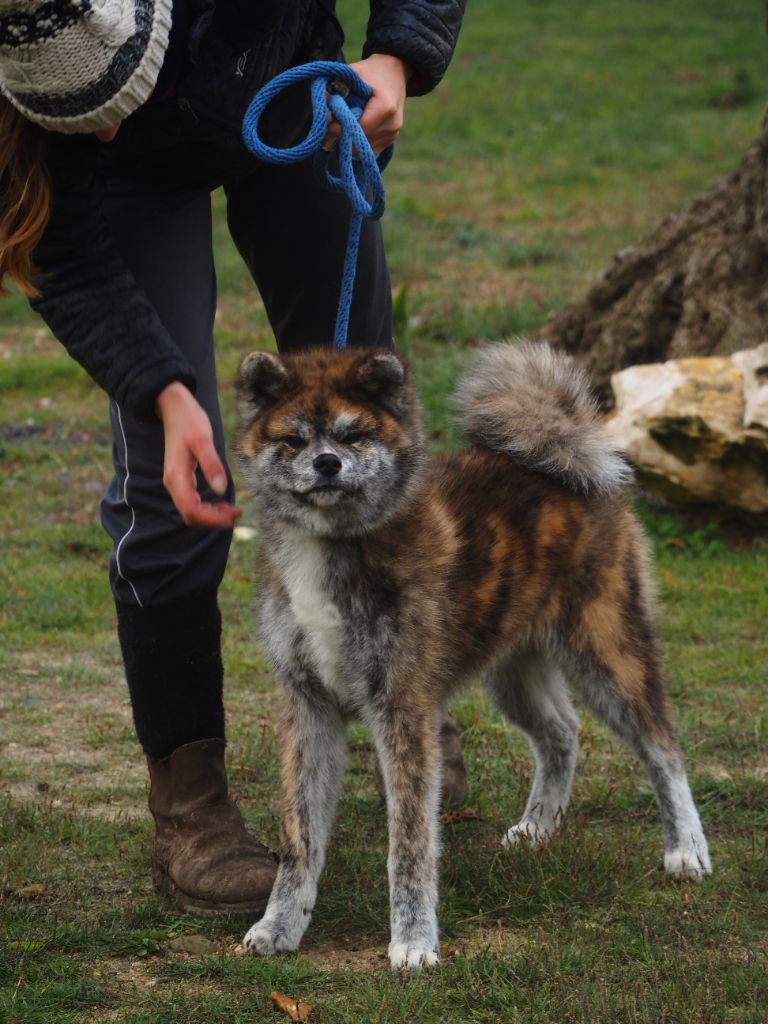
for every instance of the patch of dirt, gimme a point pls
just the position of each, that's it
(344, 956)
(63, 744)
(496, 941)
(749, 768)
(133, 979)
(67, 739)
(126, 973)
(367, 955)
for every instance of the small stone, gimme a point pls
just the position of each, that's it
(196, 945)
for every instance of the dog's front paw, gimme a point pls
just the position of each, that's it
(260, 939)
(689, 860)
(268, 937)
(527, 833)
(279, 931)
(404, 957)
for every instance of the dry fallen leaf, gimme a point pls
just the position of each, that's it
(295, 1009)
(35, 889)
(463, 814)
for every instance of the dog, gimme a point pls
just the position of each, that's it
(388, 581)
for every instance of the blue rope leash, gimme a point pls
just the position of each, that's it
(338, 87)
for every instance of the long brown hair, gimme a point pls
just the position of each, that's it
(25, 196)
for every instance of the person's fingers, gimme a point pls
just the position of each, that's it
(191, 507)
(210, 464)
(181, 483)
(189, 445)
(382, 118)
(381, 115)
(380, 121)
(221, 516)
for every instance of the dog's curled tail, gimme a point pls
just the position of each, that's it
(524, 400)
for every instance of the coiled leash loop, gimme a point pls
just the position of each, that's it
(336, 86)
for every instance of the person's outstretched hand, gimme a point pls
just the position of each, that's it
(189, 444)
(382, 118)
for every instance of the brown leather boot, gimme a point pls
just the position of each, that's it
(202, 854)
(454, 788)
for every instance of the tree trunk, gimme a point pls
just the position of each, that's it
(696, 286)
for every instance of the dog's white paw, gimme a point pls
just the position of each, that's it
(690, 860)
(404, 957)
(265, 938)
(260, 939)
(527, 833)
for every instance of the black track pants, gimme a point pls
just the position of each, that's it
(292, 235)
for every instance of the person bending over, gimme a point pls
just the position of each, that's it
(117, 120)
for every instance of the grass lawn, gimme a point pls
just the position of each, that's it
(561, 133)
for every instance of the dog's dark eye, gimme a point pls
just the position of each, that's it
(293, 441)
(354, 438)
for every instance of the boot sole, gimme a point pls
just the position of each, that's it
(194, 906)
(165, 886)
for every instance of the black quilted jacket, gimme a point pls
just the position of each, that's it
(88, 297)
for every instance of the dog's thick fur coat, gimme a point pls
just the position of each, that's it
(388, 581)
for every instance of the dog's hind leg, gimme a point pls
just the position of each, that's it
(612, 657)
(528, 689)
(313, 755)
(407, 741)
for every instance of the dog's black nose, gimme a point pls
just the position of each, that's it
(327, 464)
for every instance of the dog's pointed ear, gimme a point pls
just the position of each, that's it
(261, 379)
(382, 376)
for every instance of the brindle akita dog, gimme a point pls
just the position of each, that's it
(389, 581)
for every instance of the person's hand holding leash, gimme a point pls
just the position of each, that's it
(189, 444)
(382, 118)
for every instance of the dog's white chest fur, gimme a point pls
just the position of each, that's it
(305, 574)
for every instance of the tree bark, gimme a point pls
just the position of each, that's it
(696, 286)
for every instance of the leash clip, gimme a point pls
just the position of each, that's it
(330, 142)
(339, 88)
(336, 87)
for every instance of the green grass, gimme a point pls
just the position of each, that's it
(561, 133)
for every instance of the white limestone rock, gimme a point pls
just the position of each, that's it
(696, 429)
